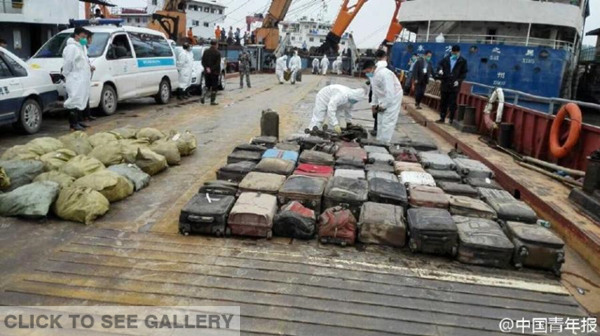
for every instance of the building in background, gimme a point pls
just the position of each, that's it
(137, 17)
(202, 15)
(307, 33)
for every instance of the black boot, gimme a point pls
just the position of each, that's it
(203, 97)
(74, 121)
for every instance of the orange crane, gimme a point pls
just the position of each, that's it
(171, 20)
(268, 33)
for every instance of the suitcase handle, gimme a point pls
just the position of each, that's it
(435, 238)
(201, 219)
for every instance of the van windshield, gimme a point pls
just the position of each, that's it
(54, 47)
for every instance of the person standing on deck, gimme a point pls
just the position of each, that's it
(218, 33)
(78, 76)
(280, 68)
(295, 66)
(211, 61)
(324, 65)
(185, 65)
(315, 66)
(244, 65)
(423, 69)
(452, 71)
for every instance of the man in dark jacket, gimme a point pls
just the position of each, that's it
(211, 61)
(422, 70)
(452, 71)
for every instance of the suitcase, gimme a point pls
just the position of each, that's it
(470, 207)
(432, 231)
(401, 166)
(405, 154)
(348, 144)
(482, 242)
(288, 146)
(373, 142)
(310, 142)
(473, 168)
(444, 175)
(420, 144)
(383, 175)
(350, 173)
(436, 161)
(409, 178)
(458, 189)
(206, 214)
(269, 123)
(329, 148)
(380, 166)
(261, 183)
(304, 189)
(251, 148)
(489, 193)
(337, 225)
(314, 170)
(281, 154)
(351, 193)
(267, 141)
(426, 196)
(380, 157)
(219, 188)
(535, 246)
(252, 215)
(376, 149)
(477, 182)
(243, 155)
(235, 172)
(388, 192)
(348, 163)
(355, 153)
(316, 158)
(295, 221)
(275, 166)
(512, 210)
(382, 224)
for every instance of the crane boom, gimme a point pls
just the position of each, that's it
(171, 20)
(268, 33)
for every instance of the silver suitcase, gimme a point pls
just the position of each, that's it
(472, 168)
(470, 207)
(350, 173)
(434, 160)
(376, 149)
(382, 175)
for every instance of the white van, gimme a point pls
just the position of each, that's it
(130, 62)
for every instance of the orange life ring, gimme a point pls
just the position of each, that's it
(574, 130)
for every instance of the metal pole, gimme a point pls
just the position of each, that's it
(528, 33)
(428, 27)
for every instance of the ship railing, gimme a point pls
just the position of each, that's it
(492, 39)
(11, 6)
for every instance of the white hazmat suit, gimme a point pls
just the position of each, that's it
(324, 65)
(387, 94)
(315, 66)
(334, 102)
(78, 75)
(295, 66)
(280, 68)
(337, 65)
(185, 65)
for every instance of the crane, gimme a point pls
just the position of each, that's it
(268, 33)
(171, 20)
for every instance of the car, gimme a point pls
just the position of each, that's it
(25, 93)
(131, 62)
(198, 52)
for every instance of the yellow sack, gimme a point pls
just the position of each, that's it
(125, 132)
(186, 142)
(168, 149)
(110, 184)
(150, 162)
(62, 179)
(150, 134)
(55, 160)
(81, 165)
(101, 139)
(77, 142)
(80, 204)
(130, 148)
(109, 154)
(19, 152)
(4, 179)
(44, 145)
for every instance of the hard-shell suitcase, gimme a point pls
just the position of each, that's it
(373, 142)
(383, 175)
(314, 170)
(380, 166)
(252, 215)
(281, 154)
(409, 178)
(310, 142)
(482, 242)
(376, 149)
(275, 166)
(269, 123)
(535, 246)
(380, 157)
(401, 166)
(437, 161)
(350, 173)
(512, 210)
(349, 163)
(470, 207)
(386, 191)
(251, 148)
(295, 221)
(432, 231)
(304, 189)
(206, 214)
(490, 193)
(405, 154)
(235, 172)
(458, 189)
(288, 146)
(349, 144)
(267, 141)
(477, 182)
(426, 196)
(382, 224)
(329, 148)
(355, 153)
(351, 193)
(472, 168)
(243, 155)
(261, 182)
(316, 158)
(444, 175)
(420, 144)
(219, 187)
(337, 225)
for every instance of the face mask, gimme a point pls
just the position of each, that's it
(352, 101)
(454, 57)
(369, 75)
(83, 41)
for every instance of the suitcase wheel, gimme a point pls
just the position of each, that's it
(185, 233)
(343, 243)
(412, 246)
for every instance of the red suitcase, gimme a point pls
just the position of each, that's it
(338, 226)
(314, 170)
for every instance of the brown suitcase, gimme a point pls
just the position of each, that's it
(316, 158)
(426, 196)
(262, 183)
(482, 242)
(457, 189)
(275, 166)
(252, 215)
(401, 166)
(470, 207)
(337, 225)
(382, 224)
(304, 189)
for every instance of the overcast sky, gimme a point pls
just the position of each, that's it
(369, 26)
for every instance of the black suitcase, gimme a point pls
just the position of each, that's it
(295, 221)
(349, 163)
(433, 231)
(269, 123)
(243, 155)
(380, 166)
(316, 158)
(267, 141)
(235, 172)
(350, 193)
(251, 148)
(311, 141)
(478, 182)
(206, 214)
(307, 190)
(388, 192)
(444, 175)
(219, 187)
(457, 189)
(482, 242)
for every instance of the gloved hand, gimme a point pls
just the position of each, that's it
(337, 129)
(441, 72)
(455, 83)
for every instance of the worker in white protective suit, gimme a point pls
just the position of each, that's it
(185, 65)
(337, 65)
(333, 103)
(324, 65)
(77, 71)
(315, 66)
(295, 66)
(281, 67)
(387, 96)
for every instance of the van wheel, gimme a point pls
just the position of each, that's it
(164, 92)
(30, 117)
(108, 100)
